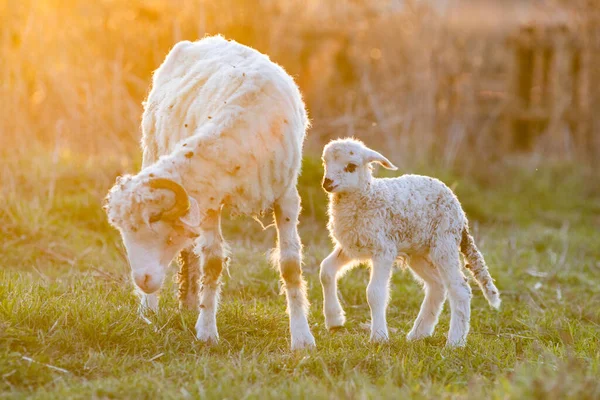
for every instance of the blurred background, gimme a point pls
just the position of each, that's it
(457, 84)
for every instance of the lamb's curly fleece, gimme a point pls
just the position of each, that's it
(417, 216)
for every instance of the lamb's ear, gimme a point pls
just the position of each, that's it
(192, 218)
(373, 156)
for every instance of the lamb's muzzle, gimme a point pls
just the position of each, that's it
(328, 185)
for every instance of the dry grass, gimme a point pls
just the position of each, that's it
(429, 84)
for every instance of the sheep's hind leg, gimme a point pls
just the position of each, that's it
(188, 279)
(378, 296)
(332, 309)
(446, 258)
(286, 213)
(212, 259)
(435, 295)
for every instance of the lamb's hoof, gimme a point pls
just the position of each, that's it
(415, 335)
(334, 329)
(306, 341)
(335, 323)
(380, 337)
(453, 344)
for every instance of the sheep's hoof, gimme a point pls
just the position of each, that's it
(207, 338)
(337, 328)
(207, 331)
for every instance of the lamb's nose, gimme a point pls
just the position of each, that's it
(327, 183)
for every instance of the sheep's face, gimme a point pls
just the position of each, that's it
(347, 165)
(150, 250)
(154, 231)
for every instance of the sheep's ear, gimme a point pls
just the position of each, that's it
(373, 156)
(192, 217)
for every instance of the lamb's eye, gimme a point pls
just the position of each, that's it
(350, 167)
(169, 240)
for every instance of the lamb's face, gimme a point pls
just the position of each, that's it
(347, 165)
(345, 170)
(152, 236)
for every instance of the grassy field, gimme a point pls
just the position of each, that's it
(69, 328)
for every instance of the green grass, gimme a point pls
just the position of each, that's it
(66, 301)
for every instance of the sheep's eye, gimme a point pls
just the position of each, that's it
(350, 167)
(169, 240)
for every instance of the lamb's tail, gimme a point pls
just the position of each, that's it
(476, 264)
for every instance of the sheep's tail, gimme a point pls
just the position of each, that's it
(476, 265)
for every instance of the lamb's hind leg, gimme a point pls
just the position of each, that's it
(334, 314)
(289, 251)
(188, 279)
(212, 259)
(445, 257)
(435, 295)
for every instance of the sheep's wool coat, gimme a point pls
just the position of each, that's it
(395, 216)
(226, 123)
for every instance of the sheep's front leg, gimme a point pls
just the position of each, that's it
(212, 259)
(332, 309)
(378, 295)
(289, 256)
(188, 279)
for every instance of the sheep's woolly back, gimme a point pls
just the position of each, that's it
(226, 123)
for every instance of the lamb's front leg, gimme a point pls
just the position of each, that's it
(289, 255)
(378, 295)
(212, 259)
(334, 314)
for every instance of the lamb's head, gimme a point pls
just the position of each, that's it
(348, 165)
(157, 219)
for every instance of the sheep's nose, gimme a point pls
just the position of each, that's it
(145, 283)
(327, 184)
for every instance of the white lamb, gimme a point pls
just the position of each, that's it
(222, 126)
(380, 220)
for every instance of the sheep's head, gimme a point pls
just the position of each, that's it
(157, 219)
(348, 165)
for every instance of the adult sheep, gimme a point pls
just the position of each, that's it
(222, 126)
